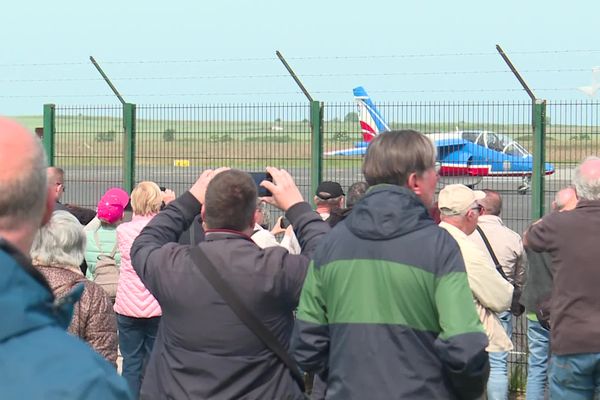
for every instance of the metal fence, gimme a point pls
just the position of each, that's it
(104, 146)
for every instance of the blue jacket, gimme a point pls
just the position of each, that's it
(38, 359)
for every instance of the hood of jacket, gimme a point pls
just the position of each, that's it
(387, 211)
(26, 304)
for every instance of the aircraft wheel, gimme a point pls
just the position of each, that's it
(522, 190)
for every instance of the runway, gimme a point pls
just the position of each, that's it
(85, 186)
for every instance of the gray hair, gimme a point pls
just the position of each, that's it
(23, 194)
(60, 242)
(587, 187)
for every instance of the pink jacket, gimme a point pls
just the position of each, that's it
(133, 299)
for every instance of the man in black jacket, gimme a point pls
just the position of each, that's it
(203, 350)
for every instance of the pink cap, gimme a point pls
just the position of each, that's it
(120, 194)
(112, 204)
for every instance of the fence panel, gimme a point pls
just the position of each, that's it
(176, 143)
(88, 144)
(572, 134)
(495, 125)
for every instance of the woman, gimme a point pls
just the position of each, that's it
(138, 312)
(102, 233)
(57, 252)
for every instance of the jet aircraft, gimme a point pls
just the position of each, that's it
(464, 156)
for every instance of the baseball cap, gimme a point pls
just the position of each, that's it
(112, 204)
(456, 199)
(329, 190)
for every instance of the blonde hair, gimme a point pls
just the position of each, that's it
(146, 198)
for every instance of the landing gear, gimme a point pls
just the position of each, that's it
(524, 186)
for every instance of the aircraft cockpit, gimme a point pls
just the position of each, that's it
(495, 141)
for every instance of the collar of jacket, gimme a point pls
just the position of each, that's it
(135, 217)
(583, 203)
(453, 230)
(490, 219)
(218, 234)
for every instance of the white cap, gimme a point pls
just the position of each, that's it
(457, 199)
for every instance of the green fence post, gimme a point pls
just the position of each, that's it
(316, 147)
(129, 146)
(49, 130)
(539, 159)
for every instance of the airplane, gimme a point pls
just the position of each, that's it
(463, 156)
(593, 88)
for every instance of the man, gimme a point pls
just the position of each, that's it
(39, 360)
(508, 249)
(56, 182)
(328, 197)
(386, 310)
(459, 212)
(355, 192)
(203, 350)
(537, 289)
(571, 238)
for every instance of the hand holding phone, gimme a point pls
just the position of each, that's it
(258, 177)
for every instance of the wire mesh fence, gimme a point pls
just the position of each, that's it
(172, 144)
(88, 145)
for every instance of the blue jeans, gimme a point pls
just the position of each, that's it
(497, 386)
(136, 339)
(538, 340)
(574, 376)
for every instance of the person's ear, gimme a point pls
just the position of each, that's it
(413, 183)
(49, 205)
(257, 217)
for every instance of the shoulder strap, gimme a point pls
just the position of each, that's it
(250, 320)
(97, 240)
(491, 251)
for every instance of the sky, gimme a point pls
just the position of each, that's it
(201, 52)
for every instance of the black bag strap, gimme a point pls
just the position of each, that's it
(254, 324)
(491, 251)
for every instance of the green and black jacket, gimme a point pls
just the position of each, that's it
(386, 311)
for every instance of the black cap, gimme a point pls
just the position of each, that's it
(329, 190)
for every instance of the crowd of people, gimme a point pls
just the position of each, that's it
(379, 292)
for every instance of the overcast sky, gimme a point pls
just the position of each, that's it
(223, 51)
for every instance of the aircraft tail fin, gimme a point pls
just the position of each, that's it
(371, 121)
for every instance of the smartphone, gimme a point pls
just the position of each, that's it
(258, 178)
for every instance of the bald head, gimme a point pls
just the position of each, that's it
(491, 203)
(565, 199)
(23, 188)
(587, 179)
